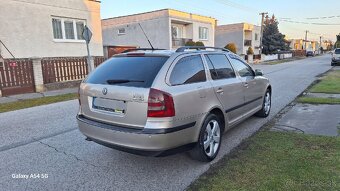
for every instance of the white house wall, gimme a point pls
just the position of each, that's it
(157, 30)
(26, 27)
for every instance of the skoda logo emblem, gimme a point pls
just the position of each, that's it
(104, 91)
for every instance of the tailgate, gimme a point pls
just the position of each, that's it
(119, 105)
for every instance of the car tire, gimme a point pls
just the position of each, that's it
(209, 140)
(266, 105)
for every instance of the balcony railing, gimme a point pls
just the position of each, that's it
(177, 42)
(247, 42)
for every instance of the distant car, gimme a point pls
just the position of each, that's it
(310, 53)
(161, 102)
(336, 57)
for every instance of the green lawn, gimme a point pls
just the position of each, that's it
(317, 100)
(277, 161)
(35, 102)
(329, 83)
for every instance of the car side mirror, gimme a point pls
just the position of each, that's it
(258, 72)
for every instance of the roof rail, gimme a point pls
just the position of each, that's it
(136, 49)
(182, 49)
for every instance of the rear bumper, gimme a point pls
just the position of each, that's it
(148, 142)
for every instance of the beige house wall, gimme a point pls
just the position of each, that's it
(26, 27)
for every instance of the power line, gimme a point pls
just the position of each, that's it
(235, 5)
(327, 17)
(309, 23)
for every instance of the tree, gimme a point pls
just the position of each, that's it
(337, 43)
(273, 40)
(232, 47)
(250, 51)
(330, 45)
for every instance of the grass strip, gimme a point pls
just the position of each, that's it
(318, 100)
(330, 83)
(277, 161)
(12, 106)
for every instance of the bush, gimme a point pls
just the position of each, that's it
(250, 51)
(190, 43)
(198, 43)
(232, 47)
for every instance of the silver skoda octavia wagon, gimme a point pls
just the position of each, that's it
(160, 102)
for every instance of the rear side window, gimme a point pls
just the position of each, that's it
(219, 66)
(188, 70)
(128, 71)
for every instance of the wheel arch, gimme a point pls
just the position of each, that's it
(218, 111)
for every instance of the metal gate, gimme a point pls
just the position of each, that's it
(16, 77)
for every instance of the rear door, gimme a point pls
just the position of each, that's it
(189, 87)
(227, 87)
(117, 91)
(252, 91)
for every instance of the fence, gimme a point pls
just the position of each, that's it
(16, 76)
(269, 57)
(299, 53)
(63, 69)
(98, 60)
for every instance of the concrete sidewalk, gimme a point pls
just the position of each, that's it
(311, 119)
(19, 97)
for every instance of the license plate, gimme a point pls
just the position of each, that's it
(109, 105)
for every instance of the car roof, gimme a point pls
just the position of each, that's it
(168, 53)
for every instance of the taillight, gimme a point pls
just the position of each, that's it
(160, 104)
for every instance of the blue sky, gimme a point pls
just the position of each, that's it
(234, 11)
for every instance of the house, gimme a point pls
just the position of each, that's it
(300, 44)
(243, 35)
(49, 28)
(166, 29)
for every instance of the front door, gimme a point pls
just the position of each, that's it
(252, 93)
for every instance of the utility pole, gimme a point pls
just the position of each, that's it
(320, 45)
(306, 39)
(262, 27)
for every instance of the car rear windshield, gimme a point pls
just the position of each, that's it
(127, 71)
(337, 51)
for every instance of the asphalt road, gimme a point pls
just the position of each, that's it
(45, 140)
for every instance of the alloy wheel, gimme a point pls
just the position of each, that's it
(212, 138)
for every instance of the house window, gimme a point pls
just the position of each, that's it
(203, 33)
(69, 30)
(177, 32)
(80, 29)
(57, 30)
(121, 31)
(65, 29)
(256, 36)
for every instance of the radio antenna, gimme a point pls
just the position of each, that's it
(146, 36)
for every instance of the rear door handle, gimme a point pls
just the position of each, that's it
(246, 84)
(219, 91)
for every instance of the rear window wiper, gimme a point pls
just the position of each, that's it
(118, 81)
